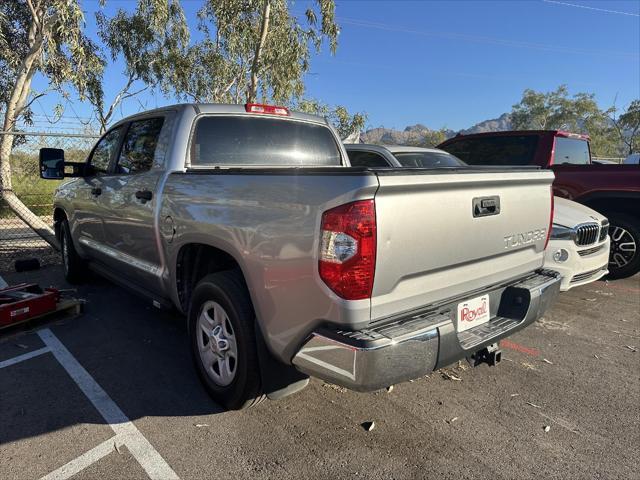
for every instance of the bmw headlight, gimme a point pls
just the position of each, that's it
(559, 232)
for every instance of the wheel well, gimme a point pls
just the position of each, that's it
(607, 206)
(58, 217)
(194, 262)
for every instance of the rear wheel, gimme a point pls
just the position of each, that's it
(624, 257)
(223, 341)
(74, 267)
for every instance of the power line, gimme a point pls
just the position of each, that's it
(481, 39)
(592, 8)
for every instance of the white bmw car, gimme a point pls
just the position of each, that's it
(579, 244)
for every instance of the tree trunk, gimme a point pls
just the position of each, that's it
(255, 66)
(13, 109)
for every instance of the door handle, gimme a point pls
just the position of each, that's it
(96, 191)
(144, 195)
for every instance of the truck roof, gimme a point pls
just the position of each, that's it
(223, 108)
(390, 148)
(509, 133)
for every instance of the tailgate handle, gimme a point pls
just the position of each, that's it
(486, 206)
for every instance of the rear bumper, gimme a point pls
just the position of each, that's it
(410, 346)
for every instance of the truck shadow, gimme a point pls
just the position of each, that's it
(139, 355)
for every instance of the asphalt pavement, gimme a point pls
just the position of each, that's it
(112, 394)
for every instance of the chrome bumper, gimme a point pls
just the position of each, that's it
(407, 347)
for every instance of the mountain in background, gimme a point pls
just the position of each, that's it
(415, 134)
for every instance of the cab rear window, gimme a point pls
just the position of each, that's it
(261, 141)
(506, 150)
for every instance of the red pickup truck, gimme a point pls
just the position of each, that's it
(613, 190)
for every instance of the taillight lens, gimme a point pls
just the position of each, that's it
(546, 242)
(347, 258)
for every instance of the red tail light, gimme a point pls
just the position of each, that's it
(546, 242)
(347, 258)
(266, 109)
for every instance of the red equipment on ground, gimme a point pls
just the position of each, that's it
(26, 301)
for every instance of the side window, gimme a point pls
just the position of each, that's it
(104, 150)
(139, 146)
(366, 159)
(572, 151)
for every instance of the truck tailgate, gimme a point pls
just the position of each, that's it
(434, 244)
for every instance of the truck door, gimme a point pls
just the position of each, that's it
(129, 200)
(89, 214)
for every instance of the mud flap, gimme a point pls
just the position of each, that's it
(278, 380)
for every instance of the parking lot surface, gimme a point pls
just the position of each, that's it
(112, 394)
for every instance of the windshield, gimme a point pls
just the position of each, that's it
(427, 159)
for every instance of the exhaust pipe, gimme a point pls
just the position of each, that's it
(491, 355)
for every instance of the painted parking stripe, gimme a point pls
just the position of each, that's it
(83, 461)
(23, 357)
(126, 432)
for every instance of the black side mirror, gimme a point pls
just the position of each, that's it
(52, 163)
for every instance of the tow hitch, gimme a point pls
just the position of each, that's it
(491, 355)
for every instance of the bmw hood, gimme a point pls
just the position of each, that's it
(570, 214)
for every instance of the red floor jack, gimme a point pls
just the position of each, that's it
(27, 301)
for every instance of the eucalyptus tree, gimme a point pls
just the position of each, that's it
(46, 37)
(148, 41)
(254, 49)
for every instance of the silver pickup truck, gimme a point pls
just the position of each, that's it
(289, 262)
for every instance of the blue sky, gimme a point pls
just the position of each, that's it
(450, 63)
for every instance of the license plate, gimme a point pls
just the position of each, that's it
(473, 312)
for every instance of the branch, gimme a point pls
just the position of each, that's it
(264, 28)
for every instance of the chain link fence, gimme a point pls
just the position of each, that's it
(17, 240)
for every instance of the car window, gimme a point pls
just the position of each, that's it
(499, 150)
(104, 150)
(572, 151)
(366, 159)
(244, 140)
(139, 146)
(427, 159)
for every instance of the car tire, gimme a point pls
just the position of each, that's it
(624, 231)
(75, 268)
(223, 341)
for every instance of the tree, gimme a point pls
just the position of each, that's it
(557, 110)
(347, 125)
(147, 40)
(253, 48)
(628, 127)
(43, 36)
(433, 138)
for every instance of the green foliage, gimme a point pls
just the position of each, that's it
(247, 38)
(628, 127)
(344, 122)
(433, 138)
(148, 40)
(558, 110)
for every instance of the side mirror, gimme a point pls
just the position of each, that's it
(52, 163)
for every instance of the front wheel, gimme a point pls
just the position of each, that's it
(624, 257)
(223, 341)
(74, 267)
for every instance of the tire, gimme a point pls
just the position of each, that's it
(75, 268)
(221, 315)
(624, 259)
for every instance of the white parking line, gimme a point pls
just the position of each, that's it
(22, 358)
(126, 432)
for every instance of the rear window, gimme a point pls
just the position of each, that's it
(243, 140)
(572, 151)
(427, 159)
(507, 150)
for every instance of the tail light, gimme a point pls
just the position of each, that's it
(546, 242)
(347, 259)
(266, 109)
